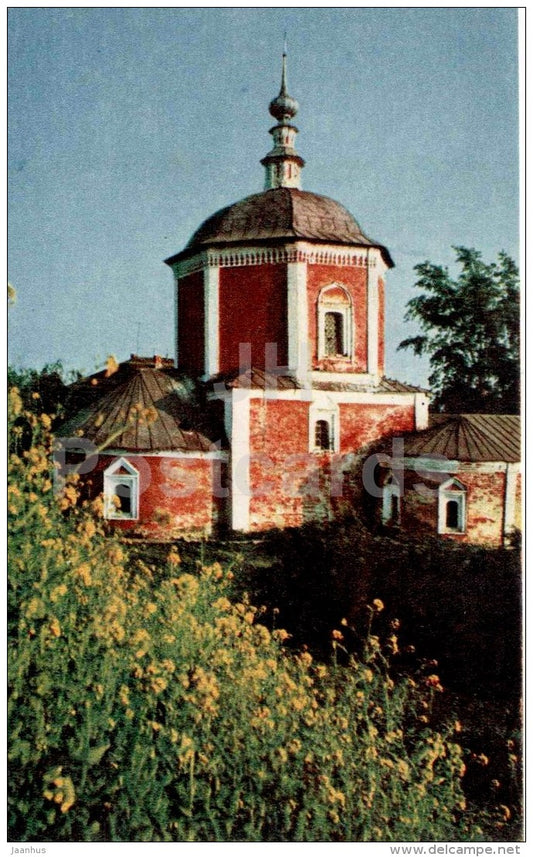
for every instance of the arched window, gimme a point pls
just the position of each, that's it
(335, 322)
(121, 491)
(452, 514)
(391, 509)
(452, 507)
(324, 425)
(333, 334)
(322, 435)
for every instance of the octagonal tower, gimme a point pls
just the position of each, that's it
(284, 279)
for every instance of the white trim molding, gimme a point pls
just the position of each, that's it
(211, 322)
(208, 455)
(421, 411)
(343, 308)
(301, 251)
(452, 520)
(321, 376)
(372, 298)
(298, 340)
(324, 410)
(511, 475)
(240, 460)
(391, 508)
(125, 487)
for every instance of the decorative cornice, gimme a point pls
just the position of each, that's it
(247, 256)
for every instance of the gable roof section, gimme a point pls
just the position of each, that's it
(468, 437)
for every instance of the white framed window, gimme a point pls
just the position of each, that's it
(323, 434)
(335, 322)
(452, 507)
(121, 491)
(391, 508)
(324, 428)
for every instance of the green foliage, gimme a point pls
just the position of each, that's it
(457, 608)
(471, 331)
(143, 710)
(44, 390)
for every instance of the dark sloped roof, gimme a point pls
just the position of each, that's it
(282, 213)
(468, 437)
(141, 408)
(258, 379)
(253, 379)
(386, 385)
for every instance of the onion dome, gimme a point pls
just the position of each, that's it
(283, 164)
(283, 212)
(284, 107)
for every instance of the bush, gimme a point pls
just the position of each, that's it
(165, 712)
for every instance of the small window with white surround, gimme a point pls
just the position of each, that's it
(324, 427)
(323, 434)
(391, 510)
(121, 491)
(452, 507)
(335, 323)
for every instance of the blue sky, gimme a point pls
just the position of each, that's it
(129, 126)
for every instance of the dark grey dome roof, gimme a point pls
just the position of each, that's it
(281, 213)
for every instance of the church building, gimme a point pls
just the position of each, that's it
(278, 383)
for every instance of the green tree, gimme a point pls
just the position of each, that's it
(471, 332)
(43, 390)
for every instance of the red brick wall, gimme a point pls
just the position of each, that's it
(381, 326)
(279, 462)
(354, 280)
(290, 485)
(253, 309)
(191, 322)
(362, 424)
(176, 495)
(518, 503)
(485, 505)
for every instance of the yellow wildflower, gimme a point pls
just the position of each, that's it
(111, 366)
(57, 592)
(281, 635)
(46, 422)
(84, 573)
(403, 769)
(15, 401)
(158, 684)
(115, 554)
(34, 607)
(55, 628)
